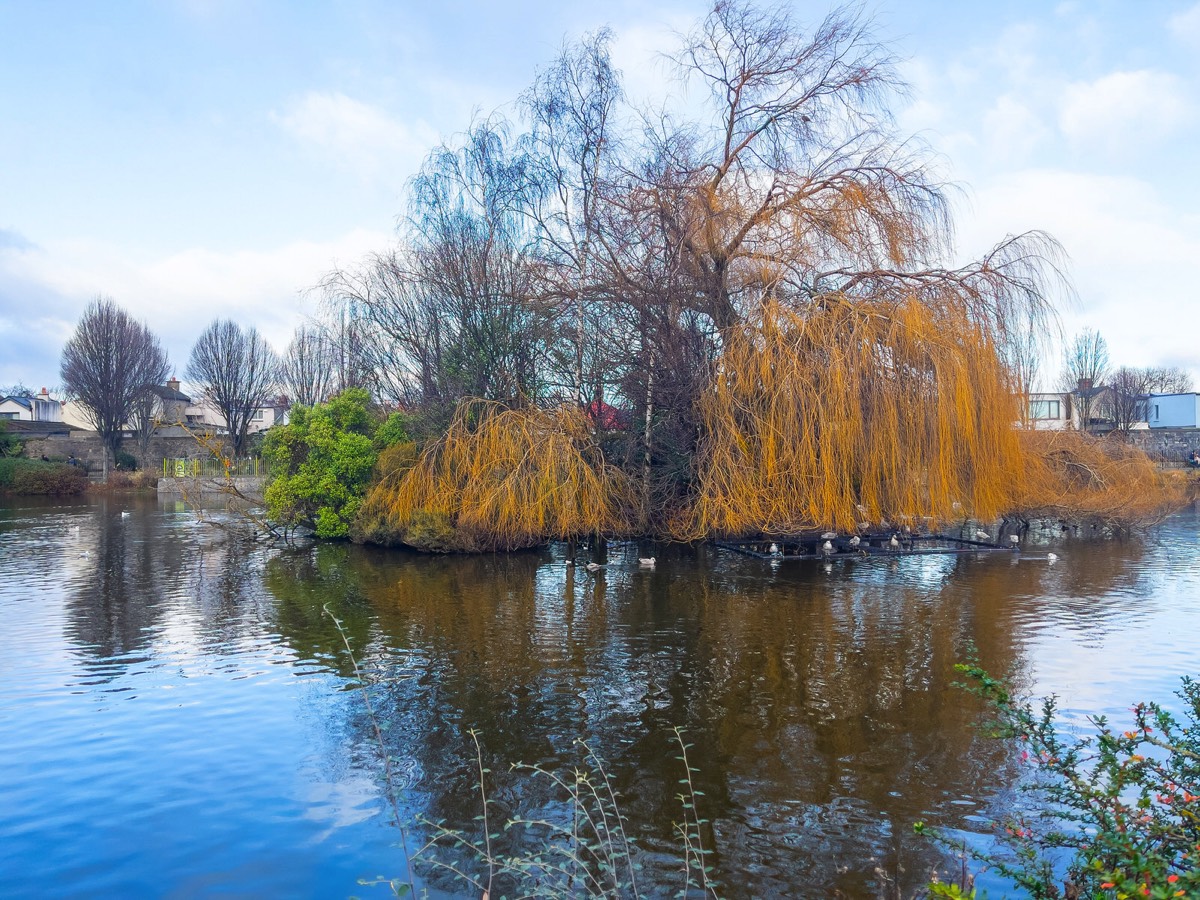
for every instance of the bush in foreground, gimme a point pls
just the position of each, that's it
(1115, 815)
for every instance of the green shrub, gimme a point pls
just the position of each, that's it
(1113, 815)
(321, 464)
(125, 461)
(10, 444)
(33, 476)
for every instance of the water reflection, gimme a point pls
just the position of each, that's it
(818, 700)
(819, 705)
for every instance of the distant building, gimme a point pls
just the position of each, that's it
(1173, 410)
(1051, 411)
(41, 407)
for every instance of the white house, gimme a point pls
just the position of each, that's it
(1173, 411)
(40, 407)
(1051, 411)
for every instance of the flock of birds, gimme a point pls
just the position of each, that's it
(644, 562)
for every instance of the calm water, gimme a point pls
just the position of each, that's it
(177, 715)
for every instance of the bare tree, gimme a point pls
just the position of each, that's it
(1125, 399)
(237, 371)
(570, 150)
(1167, 380)
(1085, 368)
(110, 365)
(307, 372)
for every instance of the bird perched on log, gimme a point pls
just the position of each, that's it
(829, 535)
(855, 541)
(774, 549)
(894, 543)
(982, 536)
(827, 548)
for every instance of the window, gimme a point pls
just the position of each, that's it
(258, 415)
(1155, 412)
(8, 415)
(1045, 409)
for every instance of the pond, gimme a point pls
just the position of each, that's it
(179, 716)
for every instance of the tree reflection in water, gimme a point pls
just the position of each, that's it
(820, 704)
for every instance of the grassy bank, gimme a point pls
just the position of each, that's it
(35, 476)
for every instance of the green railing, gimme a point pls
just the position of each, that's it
(211, 467)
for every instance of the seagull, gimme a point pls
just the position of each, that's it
(829, 535)
(1051, 557)
(570, 562)
(1014, 540)
(894, 543)
(864, 526)
(125, 514)
(982, 536)
(646, 562)
(855, 541)
(827, 548)
(774, 549)
(592, 567)
(885, 524)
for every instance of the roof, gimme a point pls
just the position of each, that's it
(26, 402)
(167, 393)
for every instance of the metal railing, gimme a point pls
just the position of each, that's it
(212, 467)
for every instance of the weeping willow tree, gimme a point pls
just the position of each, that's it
(499, 479)
(853, 411)
(744, 305)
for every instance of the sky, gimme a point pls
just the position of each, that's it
(195, 159)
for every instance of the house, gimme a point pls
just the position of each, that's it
(1173, 410)
(171, 404)
(1051, 411)
(40, 407)
(203, 413)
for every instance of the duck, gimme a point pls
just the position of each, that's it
(646, 562)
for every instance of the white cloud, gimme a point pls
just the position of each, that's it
(356, 135)
(1185, 26)
(1123, 109)
(176, 295)
(1130, 255)
(1011, 130)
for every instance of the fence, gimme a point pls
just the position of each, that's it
(212, 467)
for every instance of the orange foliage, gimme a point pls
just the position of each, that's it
(499, 479)
(854, 411)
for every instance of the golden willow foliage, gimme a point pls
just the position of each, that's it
(1077, 476)
(499, 479)
(855, 410)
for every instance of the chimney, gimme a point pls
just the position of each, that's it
(1085, 384)
(44, 395)
(173, 384)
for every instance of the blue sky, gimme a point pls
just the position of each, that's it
(196, 158)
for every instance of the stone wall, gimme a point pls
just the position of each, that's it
(206, 487)
(86, 447)
(1168, 445)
